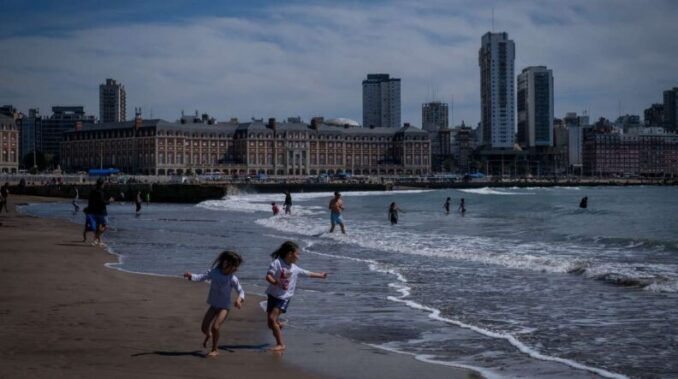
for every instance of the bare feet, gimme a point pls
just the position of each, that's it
(278, 348)
(212, 354)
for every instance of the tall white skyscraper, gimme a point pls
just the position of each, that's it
(535, 107)
(497, 92)
(381, 101)
(112, 102)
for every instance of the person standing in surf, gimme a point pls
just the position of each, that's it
(76, 207)
(336, 207)
(584, 202)
(222, 282)
(288, 203)
(393, 210)
(462, 207)
(137, 202)
(282, 279)
(447, 205)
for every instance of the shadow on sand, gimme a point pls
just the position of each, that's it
(202, 354)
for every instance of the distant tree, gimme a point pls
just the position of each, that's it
(40, 161)
(50, 160)
(449, 165)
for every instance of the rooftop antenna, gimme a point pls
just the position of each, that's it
(151, 113)
(452, 109)
(619, 105)
(492, 19)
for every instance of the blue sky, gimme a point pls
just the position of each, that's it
(265, 59)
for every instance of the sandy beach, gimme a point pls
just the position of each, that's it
(64, 314)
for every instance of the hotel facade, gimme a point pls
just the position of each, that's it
(9, 145)
(158, 147)
(649, 152)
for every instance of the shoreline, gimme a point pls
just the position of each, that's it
(196, 193)
(65, 312)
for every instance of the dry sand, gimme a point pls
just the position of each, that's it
(64, 314)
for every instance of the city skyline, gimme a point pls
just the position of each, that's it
(258, 59)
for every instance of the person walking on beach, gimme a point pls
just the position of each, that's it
(76, 207)
(222, 282)
(288, 203)
(96, 204)
(336, 207)
(137, 202)
(90, 224)
(447, 205)
(4, 197)
(393, 210)
(275, 209)
(462, 207)
(282, 279)
(584, 202)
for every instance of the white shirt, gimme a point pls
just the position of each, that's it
(221, 286)
(286, 275)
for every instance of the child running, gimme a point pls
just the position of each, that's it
(222, 282)
(282, 279)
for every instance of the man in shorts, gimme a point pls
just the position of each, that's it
(336, 207)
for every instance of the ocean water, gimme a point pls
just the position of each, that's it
(525, 284)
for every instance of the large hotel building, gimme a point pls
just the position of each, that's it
(9, 145)
(157, 147)
(644, 152)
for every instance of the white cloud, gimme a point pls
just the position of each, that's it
(310, 60)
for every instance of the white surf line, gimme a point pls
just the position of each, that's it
(121, 260)
(434, 314)
(430, 359)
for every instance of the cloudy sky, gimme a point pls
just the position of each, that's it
(258, 58)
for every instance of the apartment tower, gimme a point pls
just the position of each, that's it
(535, 107)
(381, 101)
(497, 93)
(112, 102)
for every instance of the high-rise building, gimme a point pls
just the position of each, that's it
(31, 132)
(575, 140)
(112, 102)
(62, 119)
(535, 107)
(497, 92)
(381, 101)
(654, 115)
(671, 109)
(434, 116)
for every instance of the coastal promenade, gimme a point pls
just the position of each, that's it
(64, 314)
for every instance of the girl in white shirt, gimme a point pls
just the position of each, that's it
(282, 278)
(222, 282)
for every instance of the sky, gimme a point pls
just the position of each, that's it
(307, 58)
